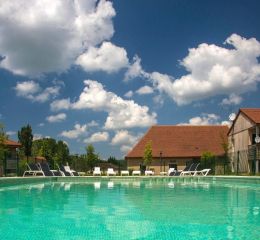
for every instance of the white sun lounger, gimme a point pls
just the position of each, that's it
(110, 171)
(148, 173)
(70, 171)
(171, 170)
(124, 172)
(136, 172)
(203, 172)
(96, 171)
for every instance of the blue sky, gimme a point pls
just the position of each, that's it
(103, 72)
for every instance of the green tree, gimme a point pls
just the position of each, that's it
(121, 163)
(148, 154)
(208, 160)
(51, 150)
(3, 138)
(226, 148)
(92, 157)
(25, 137)
(55, 152)
(61, 155)
(79, 162)
(36, 146)
(112, 160)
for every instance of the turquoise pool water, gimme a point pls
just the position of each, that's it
(131, 209)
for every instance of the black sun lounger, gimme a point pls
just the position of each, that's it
(187, 168)
(191, 171)
(46, 170)
(33, 169)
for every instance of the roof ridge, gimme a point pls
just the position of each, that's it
(251, 113)
(210, 125)
(12, 142)
(133, 147)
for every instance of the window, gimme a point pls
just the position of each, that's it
(253, 139)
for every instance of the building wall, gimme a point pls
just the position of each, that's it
(240, 136)
(10, 162)
(242, 123)
(156, 165)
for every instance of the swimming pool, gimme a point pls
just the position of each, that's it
(131, 208)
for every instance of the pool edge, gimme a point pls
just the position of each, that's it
(10, 181)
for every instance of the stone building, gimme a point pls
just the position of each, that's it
(177, 146)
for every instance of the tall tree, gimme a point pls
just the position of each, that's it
(92, 157)
(208, 160)
(112, 160)
(3, 138)
(79, 162)
(25, 137)
(226, 147)
(51, 150)
(148, 154)
(121, 163)
(61, 155)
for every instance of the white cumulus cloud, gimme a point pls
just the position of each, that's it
(56, 118)
(144, 90)
(11, 133)
(134, 70)
(129, 94)
(27, 88)
(125, 139)
(60, 104)
(92, 124)
(121, 113)
(97, 137)
(206, 119)
(233, 99)
(37, 136)
(32, 90)
(125, 149)
(108, 58)
(46, 94)
(76, 132)
(214, 70)
(42, 36)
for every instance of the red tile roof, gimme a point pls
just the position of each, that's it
(39, 159)
(252, 113)
(182, 141)
(11, 143)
